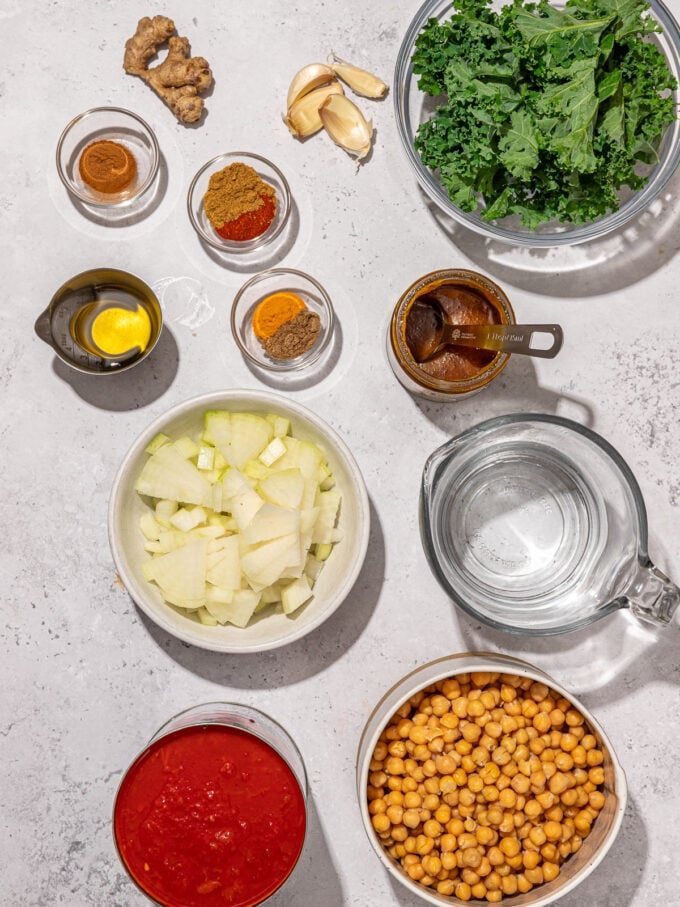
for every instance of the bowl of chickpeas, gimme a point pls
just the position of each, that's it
(481, 780)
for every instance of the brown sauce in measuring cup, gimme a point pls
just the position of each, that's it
(461, 304)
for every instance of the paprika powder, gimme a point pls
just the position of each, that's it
(239, 204)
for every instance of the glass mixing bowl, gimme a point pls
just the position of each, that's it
(412, 107)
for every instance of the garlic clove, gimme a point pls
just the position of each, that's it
(347, 125)
(359, 80)
(302, 118)
(307, 79)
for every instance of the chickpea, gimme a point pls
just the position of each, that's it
(488, 699)
(495, 856)
(494, 880)
(416, 872)
(449, 861)
(557, 717)
(479, 891)
(432, 865)
(468, 765)
(568, 742)
(553, 831)
(535, 876)
(494, 897)
(558, 783)
(530, 860)
(495, 815)
(432, 829)
(400, 833)
(596, 775)
(509, 847)
(582, 823)
(471, 732)
(533, 809)
(509, 885)
(472, 857)
(411, 818)
(550, 853)
(424, 845)
(546, 799)
(395, 814)
(463, 891)
(381, 823)
(508, 693)
(507, 798)
(537, 836)
(596, 800)
(430, 801)
(485, 835)
(541, 722)
(520, 784)
(523, 884)
(445, 764)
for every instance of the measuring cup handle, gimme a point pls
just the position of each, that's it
(652, 596)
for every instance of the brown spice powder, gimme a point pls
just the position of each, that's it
(235, 190)
(294, 337)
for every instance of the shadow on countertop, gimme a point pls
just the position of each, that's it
(132, 389)
(600, 663)
(616, 261)
(516, 390)
(616, 881)
(315, 881)
(300, 659)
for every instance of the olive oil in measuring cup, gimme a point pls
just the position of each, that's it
(102, 321)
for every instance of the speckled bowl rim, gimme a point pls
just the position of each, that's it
(153, 172)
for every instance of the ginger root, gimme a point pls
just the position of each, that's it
(180, 78)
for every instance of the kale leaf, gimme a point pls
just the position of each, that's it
(546, 113)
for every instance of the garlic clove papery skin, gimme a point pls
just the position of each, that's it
(359, 80)
(347, 125)
(302, 118)
(307, 79)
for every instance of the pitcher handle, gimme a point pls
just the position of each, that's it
(652, 596)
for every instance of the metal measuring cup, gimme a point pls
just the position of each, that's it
(54, 325)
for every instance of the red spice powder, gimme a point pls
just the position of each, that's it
(250, 224)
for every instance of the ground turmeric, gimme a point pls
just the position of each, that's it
(274, 311)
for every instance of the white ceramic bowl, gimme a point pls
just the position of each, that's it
(338, 575)
(605, 827)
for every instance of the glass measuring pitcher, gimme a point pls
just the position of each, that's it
(536, 525)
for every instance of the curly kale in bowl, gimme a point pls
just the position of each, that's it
(549, 112)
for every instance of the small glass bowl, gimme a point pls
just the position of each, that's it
(117, 125)
(279, 280)
(413, 106)
(267, 171)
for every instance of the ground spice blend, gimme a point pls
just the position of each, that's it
(239, 204)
